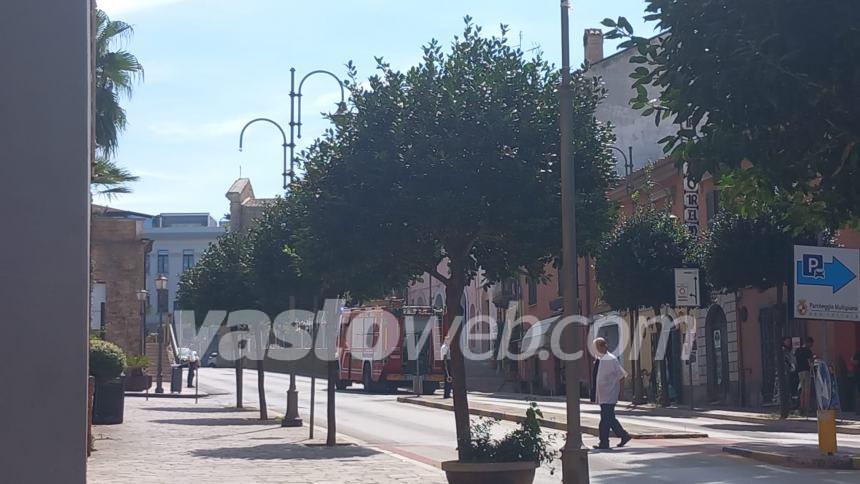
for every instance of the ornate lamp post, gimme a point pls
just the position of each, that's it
(292, 419)
(628, 164)
(161, 291)
(141, 297)
(296, 109)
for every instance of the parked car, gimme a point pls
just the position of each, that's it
(211, 360)
(184, 355)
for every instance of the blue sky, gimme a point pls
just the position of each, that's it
(212, 65)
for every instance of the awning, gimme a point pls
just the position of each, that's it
(537, 335)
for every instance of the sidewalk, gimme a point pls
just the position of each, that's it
(552, 418)
(847, 423)
(797, 455)
(165, 440)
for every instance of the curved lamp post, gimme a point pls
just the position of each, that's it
(286, 173)
(628, 163)
(292, 419)
(296, 120)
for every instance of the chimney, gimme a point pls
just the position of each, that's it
(592, 42)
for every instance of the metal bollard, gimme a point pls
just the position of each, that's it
(827, 431)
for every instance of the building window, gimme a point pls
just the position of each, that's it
(187, 259)
(163, 267)
(532, 292)
(712, 205)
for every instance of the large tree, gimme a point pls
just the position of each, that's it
(771, 84)
(635, 267)
(741, 252)
(456, 160)
(221, 281)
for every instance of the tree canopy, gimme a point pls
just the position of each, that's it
(458, 157)
(755, 252)
(771, 83)
(635, 266)
(221, 279)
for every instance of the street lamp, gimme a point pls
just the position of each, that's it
(296, 109)
(161, 292)
(292, 419)
(141, 297)
(628, 164)
(574, 458)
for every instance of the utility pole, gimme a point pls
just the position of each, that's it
(574, 458)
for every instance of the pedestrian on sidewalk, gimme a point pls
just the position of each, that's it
(193, 365)
(856, 360)
(445, 352)
(609, 384)
(803, 358)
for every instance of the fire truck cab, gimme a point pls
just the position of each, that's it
(378, 346)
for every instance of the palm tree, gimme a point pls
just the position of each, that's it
(116, 72)
(109, 179)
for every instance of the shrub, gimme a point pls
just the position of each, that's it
(107, 360)
(137, 362)
(525, 444)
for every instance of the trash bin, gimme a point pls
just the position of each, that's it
(175, 379)
(827, 431)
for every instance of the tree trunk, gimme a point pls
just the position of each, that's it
(331, 423)
(453, 292)
(240, 368)
(261, 389)
(778, 321)
(634, 360)
(664, 370)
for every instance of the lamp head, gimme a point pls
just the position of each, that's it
(341, 113)
(161, 282)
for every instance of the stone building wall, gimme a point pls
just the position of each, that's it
(117, 260)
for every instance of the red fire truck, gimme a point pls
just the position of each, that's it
(374, 347)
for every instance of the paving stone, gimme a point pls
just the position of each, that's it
(176, 440)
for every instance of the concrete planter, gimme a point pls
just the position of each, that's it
(137, 383)
(109, 401)
(489, 472)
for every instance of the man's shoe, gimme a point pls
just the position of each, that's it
(624, 440)
(601, 447)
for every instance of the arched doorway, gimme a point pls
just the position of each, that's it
(716, 329)
(438, 303)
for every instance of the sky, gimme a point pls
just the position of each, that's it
(212, 65)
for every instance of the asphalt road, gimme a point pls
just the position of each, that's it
(427, 435)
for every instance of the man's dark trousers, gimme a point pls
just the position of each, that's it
(609, 422)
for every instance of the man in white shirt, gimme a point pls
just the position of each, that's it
(609, 383)
(445, 353)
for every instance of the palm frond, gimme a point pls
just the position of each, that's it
(110, 179)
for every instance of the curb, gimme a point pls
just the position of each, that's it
(166, 395)
(842, 462)
(548, 423)
(843, 426)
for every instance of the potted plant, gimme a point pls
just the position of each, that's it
(511, 459)
(107, 362)
(135, 379)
